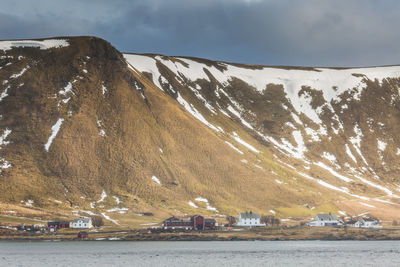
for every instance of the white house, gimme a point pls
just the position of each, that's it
(82, 223)
(353, 223)
(249, 219)
(370, 223)
(325, 220)
(365, 223)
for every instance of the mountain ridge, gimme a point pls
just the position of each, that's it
(261, 65)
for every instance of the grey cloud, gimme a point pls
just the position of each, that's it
(13, 27)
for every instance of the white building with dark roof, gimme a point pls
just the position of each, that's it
(82, 223)
(249, 219)
(365, 223)
(370, 223)
(325, 220)
(353, 223)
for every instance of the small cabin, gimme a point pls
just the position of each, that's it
(83, 235)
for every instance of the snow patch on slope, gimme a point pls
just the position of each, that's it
(117, 200)
(239, 140)
(301, 148)
(3, 137)
(208, 206)
(284, 147)
(109, 219)
(296, 118)
(4, 164)
(155, 179)
(315, 135)
(356, 141)
(119, 210)
(17, 75)
(384, 189)
(234, 148)
(54, 130)
(381, 145)
(43, 44)
(28, 203)
(191, 109)
(332, 187)
(289, 124)
(331, 82)
(4, 94)
(194, 71)
(296, 151)
(367, 205)
(103, 88)
(348, 151)
(101, 132)
(237, 114)
(102, 197)
(144, 64)
(333, 172)
(192, 204)
(67, 89)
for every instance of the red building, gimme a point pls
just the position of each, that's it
(175, 223)
(211, 224)
(82, 235)
(196, 222)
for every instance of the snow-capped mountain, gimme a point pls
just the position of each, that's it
(83, 126)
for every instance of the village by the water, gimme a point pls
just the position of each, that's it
(195, 226)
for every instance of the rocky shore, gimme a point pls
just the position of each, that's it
(300, 233)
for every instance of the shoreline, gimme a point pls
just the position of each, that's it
(299, 234)
(185, 240)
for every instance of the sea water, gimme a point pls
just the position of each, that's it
(179, 253)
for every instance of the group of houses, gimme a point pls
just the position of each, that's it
(198, 222)
(246, 219)
(79, 223)
(333, 220)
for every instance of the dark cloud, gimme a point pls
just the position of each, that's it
(14, 27)
(284, 32)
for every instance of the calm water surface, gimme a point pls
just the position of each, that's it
(238, 253)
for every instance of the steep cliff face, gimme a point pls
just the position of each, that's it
(88, 130)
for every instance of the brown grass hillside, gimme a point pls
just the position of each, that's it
(146, 133)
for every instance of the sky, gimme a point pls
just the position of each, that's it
(269, 32)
